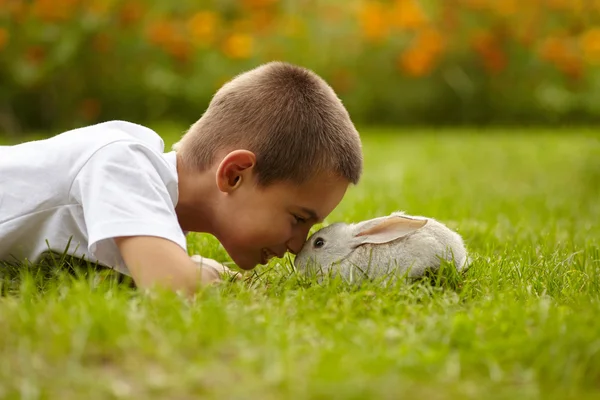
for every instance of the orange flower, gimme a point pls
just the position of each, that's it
(165, 34)
(332, 13)
(262, 20)
(407, 14)
(559, 4)
(3, 37)
(430, 40)
(35, 54)
(553, 49)
(579, 6)
(449, 17)
(90, 109)
(506, 7)
(416, 62)
(54, 10)
(373, 20)
(14, 9)
(572, 66)
(242, 25)
(131, 12)
(238, 45)
(476, 4)
(101, 42)
(526, 31)
(258, 3)
(99, 7)
(420, 58)
(179, 48)
(202, 27)
(561, 52)
(495, 60)
(490, 50)
(342, 81)
(161, 32)
(575, 6)
(589, 43)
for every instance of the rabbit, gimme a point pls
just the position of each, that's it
(396, 243)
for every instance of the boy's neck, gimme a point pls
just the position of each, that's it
(196, 199)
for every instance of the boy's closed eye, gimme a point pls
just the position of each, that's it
(312, 216)
(300, 220)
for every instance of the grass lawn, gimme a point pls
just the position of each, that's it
(523, 322)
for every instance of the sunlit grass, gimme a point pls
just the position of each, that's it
(521, 323)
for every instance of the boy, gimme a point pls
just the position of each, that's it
(272, 155)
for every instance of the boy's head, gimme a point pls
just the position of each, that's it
(282, 150)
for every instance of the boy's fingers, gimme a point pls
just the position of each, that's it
(215, 265)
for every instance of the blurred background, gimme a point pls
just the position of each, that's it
(66, 63)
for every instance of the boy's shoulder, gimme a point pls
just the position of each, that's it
(114, 131)
(79, 144)
(121, 150)
(114, 150)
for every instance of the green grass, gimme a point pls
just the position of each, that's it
(523, 322)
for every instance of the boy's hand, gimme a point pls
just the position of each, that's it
(214, 267)
(154, 261)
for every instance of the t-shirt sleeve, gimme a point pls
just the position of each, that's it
(126, 189)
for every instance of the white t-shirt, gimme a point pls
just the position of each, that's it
(88, 185)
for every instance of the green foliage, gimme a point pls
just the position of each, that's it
(65, 63)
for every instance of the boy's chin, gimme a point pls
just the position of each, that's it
(245, 261)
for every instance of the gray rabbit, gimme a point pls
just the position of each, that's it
(383, 246)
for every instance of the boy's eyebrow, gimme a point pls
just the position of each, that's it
(313, 215)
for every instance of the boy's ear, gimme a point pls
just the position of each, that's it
(235, 168)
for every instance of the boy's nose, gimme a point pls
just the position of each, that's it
(294, 249)
(295, 244)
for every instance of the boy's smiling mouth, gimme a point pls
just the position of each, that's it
(266, 255)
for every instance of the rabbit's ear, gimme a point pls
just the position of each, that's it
(387, 229)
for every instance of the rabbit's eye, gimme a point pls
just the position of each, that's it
(319, 242)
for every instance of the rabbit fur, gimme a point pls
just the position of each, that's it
(396, 244)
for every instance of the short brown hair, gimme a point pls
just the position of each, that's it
(288, 116)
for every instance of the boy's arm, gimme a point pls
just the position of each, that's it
(128, 209)
(154, 261)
